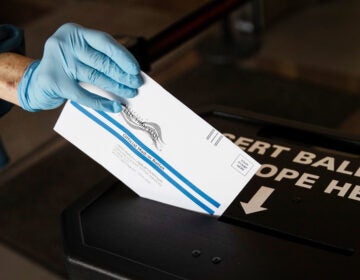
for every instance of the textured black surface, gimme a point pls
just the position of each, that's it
(126, 236)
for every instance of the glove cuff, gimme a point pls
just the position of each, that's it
(22, 91)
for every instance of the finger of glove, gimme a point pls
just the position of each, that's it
(97, 60)
(93, 76)
(106, 44)
(96, 102)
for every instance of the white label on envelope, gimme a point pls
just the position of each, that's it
(161, 149)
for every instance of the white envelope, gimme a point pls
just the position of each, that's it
(161, 149)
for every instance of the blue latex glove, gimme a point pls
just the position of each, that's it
(76, 54)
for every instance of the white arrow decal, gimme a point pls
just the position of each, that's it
(256, 202)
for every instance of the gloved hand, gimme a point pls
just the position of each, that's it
(76, 54)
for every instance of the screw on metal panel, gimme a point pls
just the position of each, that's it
(196, 253)
(216, 260)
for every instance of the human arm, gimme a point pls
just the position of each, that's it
(11, 42)
(12, 69)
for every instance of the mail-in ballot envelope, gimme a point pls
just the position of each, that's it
(161, 149)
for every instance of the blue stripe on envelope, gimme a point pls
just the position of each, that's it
(147, 160)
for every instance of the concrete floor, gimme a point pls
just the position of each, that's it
(323, 48)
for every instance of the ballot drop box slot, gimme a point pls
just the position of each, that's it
(298, 218)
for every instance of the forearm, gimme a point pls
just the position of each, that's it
(12, 68)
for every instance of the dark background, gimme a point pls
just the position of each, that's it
(301, 62)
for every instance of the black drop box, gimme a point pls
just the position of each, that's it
(306, 229)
